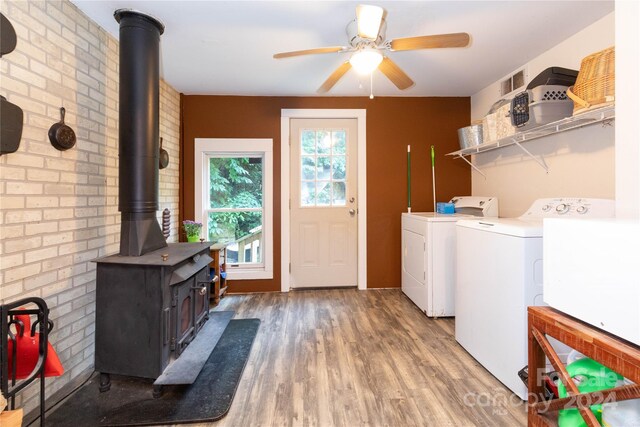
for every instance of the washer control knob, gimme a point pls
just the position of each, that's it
(562, 208)
(546, 208)
(582, 209)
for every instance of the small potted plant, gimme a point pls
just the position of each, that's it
(192, 230)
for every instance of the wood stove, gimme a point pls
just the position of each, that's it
(149, 308)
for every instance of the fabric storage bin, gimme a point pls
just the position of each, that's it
(498, 125)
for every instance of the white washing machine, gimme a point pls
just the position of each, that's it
(499, 274)
(429, 251)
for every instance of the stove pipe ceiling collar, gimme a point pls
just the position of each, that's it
(139, 132)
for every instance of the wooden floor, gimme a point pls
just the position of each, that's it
(350, 358)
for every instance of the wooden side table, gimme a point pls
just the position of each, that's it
(219, 265)
(615, 353)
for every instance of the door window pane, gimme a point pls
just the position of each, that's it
(308, 167)
(323, 142)
(339, 170)
(338, 197)
(323, 167)
(308, 142)
(324, 194)
(339, 142)
(308, 193)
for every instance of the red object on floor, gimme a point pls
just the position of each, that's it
(27, 352)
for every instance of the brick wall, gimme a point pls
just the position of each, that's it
(59, 210)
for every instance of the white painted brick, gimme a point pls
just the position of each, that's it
(74, 270)
(87, 190)
(9, 202)
(40, 280)
(11, 231)
(75, 224)
(24, 159)
(42, 202)
(67, 296)
(21, 245)
(12, 173)
(53, 214)
(41, 228)
(85, 234)
(38, 147)
(79, 303)
(24, 188)
(17, 273)
(84, 279)
(73, 201)
(32, 79)
(72, 248)
(85, 212)
(74, 178)
(59, 164)
(54, 289)
(10, 291)
(57, 238)
(40, 254)
(50, 74)
(58, 189)
(29, 21)
(58, 262)
(13, 217)
(85, 256)
(12, 85)
(79, 348)
(8, 261)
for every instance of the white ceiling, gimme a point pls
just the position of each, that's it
(226, 47)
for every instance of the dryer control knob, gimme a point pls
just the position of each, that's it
(582, 209)
(562, 208)
(545, 208)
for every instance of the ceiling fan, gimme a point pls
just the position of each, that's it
(366, 36)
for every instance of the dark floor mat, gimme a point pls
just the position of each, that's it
(130, 400)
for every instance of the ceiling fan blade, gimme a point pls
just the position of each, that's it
(395, 74)
(331, 49)
(334, 77)
(431, 42)
(369, 19)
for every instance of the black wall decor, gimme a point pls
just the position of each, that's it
(11, 115)
(8, 39)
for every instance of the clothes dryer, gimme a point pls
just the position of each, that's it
(429, 250)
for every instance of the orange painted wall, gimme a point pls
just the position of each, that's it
(392, 123)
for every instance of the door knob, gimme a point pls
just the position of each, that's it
(352, 212)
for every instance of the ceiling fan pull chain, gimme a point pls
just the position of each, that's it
(371, 85)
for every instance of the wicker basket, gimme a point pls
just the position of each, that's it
(596, 81)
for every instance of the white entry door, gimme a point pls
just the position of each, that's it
(324, 200)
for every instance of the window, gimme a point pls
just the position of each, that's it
(234, 202)
(323, 163)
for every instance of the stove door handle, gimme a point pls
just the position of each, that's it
(202, 287)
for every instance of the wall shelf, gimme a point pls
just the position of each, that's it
(602, 115)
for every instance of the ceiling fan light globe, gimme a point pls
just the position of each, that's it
(365, 61)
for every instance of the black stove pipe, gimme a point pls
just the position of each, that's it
(139, 132)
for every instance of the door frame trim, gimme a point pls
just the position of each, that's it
(285, 165)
